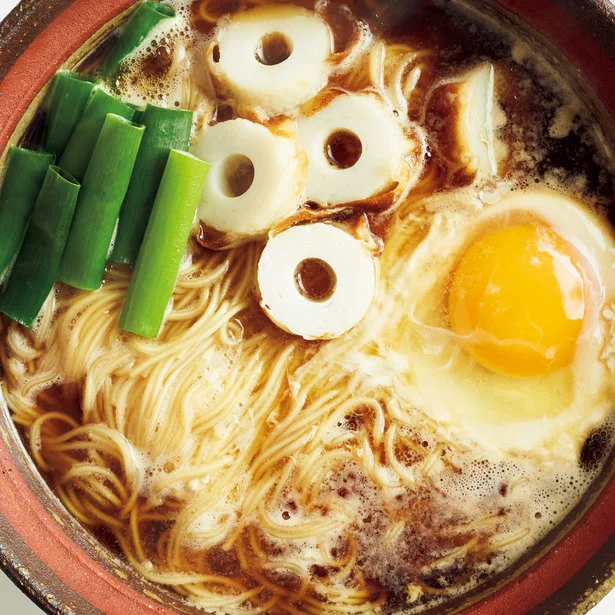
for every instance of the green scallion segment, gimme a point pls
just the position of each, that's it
(39, 259)
(145, 17)
(78, 152)
(23, 179)
(164, 244)
(69, 96)
(104, 188)
(166, 129)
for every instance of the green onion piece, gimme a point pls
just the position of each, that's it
(76, 156)
(39, 259)
(166, 129)
(69, 96)
(23, 179)
(145, 17)
(104, 188)
(164, 244)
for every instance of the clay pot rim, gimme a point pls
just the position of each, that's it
(62, 571)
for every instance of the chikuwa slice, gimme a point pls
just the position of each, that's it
(316, 280)
(273, 57)
(255, 179)
(356, 149)
(475, 128)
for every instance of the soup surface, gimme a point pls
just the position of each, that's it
(386, 372)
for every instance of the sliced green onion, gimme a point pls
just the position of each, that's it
(69, 96)
(167, 129)
(76, 156)
(104, 188)
(39, 259)
(164, 244)
(145, 17)
(24, 176)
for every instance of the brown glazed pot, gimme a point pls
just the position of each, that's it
(60, 566)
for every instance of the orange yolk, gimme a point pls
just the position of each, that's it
(517, 298)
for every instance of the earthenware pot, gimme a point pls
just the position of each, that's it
(66, 571)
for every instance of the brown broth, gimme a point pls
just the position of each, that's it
(455, 41)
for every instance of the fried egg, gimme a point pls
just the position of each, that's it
(507, 333)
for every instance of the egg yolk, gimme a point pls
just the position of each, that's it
(517, 298)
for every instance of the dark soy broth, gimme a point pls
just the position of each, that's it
(395, 553)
